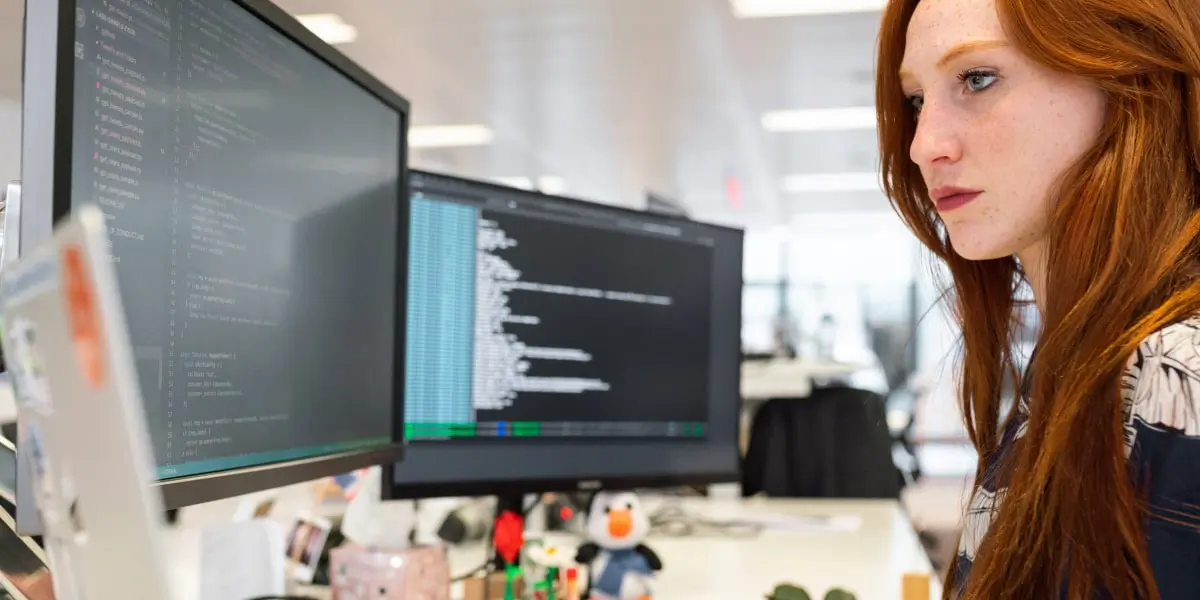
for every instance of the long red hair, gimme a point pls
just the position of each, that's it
(1124, 241)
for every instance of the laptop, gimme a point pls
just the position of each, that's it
(64, 335)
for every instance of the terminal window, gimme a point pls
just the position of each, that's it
(524, 322)
(214, 145)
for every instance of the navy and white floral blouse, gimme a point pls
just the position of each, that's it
(1161, 390)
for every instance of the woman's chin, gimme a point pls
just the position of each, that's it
(975, 249)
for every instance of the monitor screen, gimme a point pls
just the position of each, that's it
(552, 341)
(256, 195)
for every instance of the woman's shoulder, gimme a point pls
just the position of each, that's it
(1180, 334)
(1162, 441)
(1161, 387)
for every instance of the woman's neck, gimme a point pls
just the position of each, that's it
(1033, 263)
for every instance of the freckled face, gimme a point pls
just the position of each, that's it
(996, 130)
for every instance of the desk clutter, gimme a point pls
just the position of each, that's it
(612, 563)
(610, 559)
(613, 559)
(249, 543)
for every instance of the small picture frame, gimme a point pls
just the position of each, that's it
(305, 543)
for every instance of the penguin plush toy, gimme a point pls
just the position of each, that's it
(620, 566)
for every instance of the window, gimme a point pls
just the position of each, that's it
(760, 311)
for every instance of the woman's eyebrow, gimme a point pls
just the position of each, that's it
(955, 52)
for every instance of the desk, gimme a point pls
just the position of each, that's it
(870, 561)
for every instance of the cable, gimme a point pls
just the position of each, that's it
(673, 519)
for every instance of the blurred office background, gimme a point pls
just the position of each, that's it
(754, 113)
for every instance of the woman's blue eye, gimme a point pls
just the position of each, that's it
(977, 81)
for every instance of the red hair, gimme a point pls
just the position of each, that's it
(1123, 245)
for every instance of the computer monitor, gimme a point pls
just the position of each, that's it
(255, 184)
(555, 345)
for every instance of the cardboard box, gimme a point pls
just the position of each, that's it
(490, 587)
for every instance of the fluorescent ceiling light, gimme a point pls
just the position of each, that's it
(548, 184)
(449, 136)
(754, 9)
(329, 27)
(820, 119)
(832, 182)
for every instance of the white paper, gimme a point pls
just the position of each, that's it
(373, 523)
(242, 560)
(804, 524)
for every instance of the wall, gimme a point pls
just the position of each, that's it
(10, 140)
(845, 265)
(10, 169)
(832, 260)
(938, 415)
(851, 248)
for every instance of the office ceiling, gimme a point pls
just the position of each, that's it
(616, 96)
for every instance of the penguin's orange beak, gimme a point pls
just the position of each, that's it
(620, 523)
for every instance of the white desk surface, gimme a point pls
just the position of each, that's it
(870, 561)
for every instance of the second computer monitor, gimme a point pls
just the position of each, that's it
(553, 342)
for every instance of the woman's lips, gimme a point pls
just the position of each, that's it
(957, 200)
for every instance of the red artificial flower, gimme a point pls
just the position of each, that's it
(509, 535)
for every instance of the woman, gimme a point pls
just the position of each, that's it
(1057, 143)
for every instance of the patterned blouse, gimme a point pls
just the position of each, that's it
(1161, 390)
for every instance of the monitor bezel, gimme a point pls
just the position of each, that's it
(391, 490)
(47, 139)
